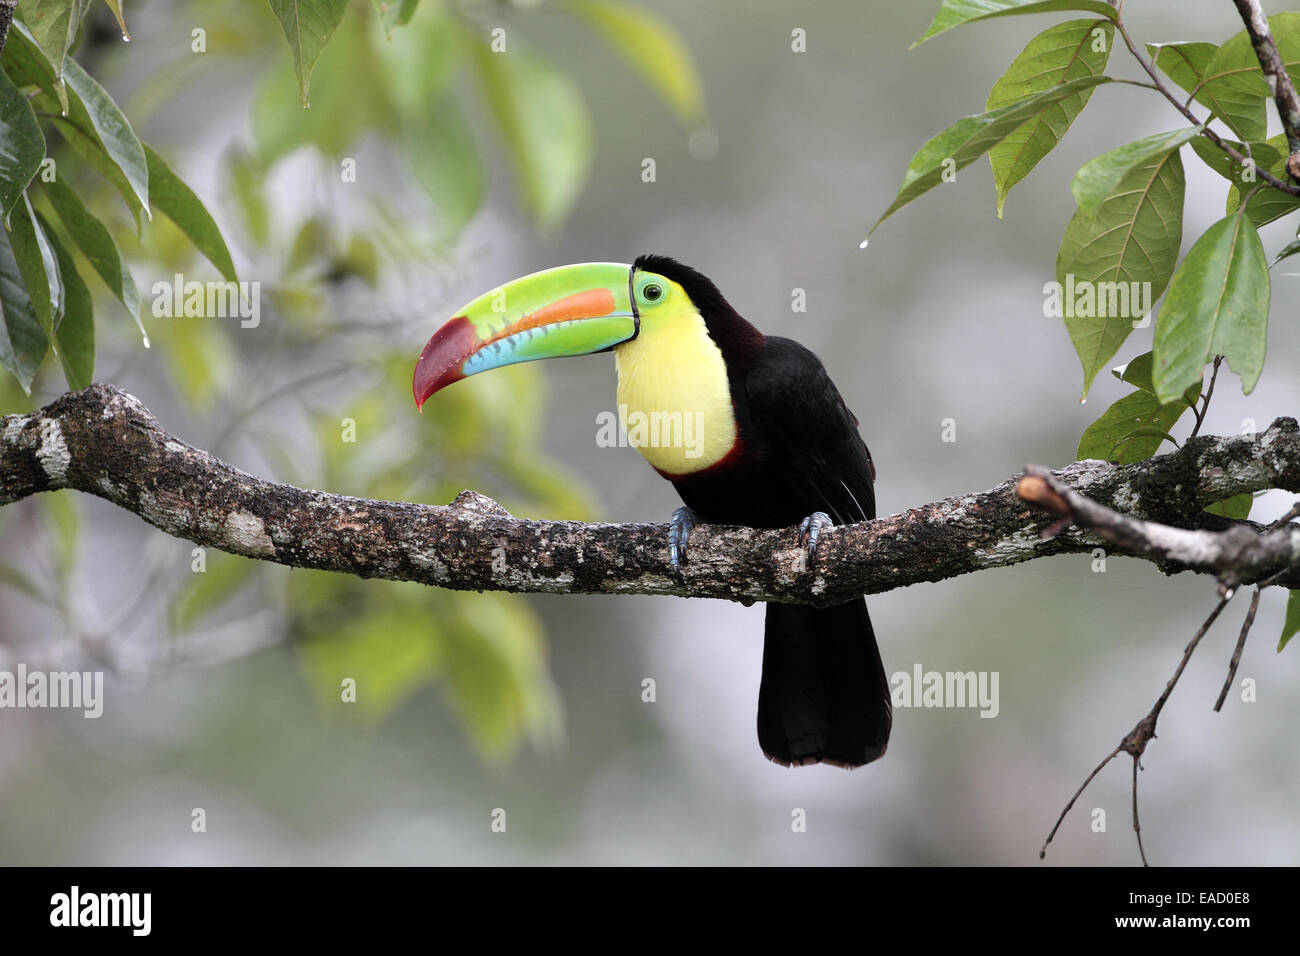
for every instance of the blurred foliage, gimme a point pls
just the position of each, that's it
(319, 385)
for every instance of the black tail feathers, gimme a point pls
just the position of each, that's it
(824, 696)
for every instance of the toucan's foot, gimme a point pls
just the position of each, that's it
(811, 527)
(679, 529)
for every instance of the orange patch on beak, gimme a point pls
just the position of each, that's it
(588, 304)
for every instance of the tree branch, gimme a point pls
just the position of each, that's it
(1279, 82)
(1235, 555)
(103, 441)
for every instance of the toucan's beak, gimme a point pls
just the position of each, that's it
(571, 310)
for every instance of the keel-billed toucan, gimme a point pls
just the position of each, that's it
(777, 448)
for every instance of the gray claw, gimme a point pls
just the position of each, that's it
(811, 527)
(679, 529)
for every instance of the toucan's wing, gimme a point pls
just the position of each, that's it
(822, 463)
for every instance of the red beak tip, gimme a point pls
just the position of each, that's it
(441, 360)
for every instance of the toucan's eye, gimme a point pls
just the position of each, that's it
(652, 292)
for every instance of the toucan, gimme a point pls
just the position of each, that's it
(772, 445)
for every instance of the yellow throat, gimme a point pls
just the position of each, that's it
(673, 395)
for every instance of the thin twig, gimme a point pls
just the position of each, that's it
(1236, 654)
(1137, 820)
(1042, 853)
(1291, 514)
(1209, 393)
(1136, 740)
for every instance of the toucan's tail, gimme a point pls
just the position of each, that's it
(824, 696)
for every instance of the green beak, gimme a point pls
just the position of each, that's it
(570, 310)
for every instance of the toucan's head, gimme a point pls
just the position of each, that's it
(569, 310)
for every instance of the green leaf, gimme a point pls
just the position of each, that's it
(314, 242)
(27, 65)
(307, 25)
(75, 339)
(1151, 431)
(200, 359)
(650, 45)
(970, 137)
(1133, 237)
(361, 259)
(1062, 53)
(208, 590)
(546, 126)
(116, 7)
(54, 25)
(1237, 507)
(347, 101)
(1137, 373)
(434, 50)
(96, 244)
(497, 670)
(22, 340)
(1262, 154)
(88, 119)
(1292, 623)
(1241, 112)
(22, 144)
(246, 179)
(441, 152)
(1217, 305)
(61, 518)
(1233, 84)
(391, 653)
(92, 111)
(11, 576)
(399, 12)
(170, 194)
(1266, 204)
(1183, 62)
(1099, 177)
(1190, 64)
(954, 13)
(1130, 430)
(430, 123)
(38, 265)
(81, 141)
(1290, 249)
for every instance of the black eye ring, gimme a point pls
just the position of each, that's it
(652, 292)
